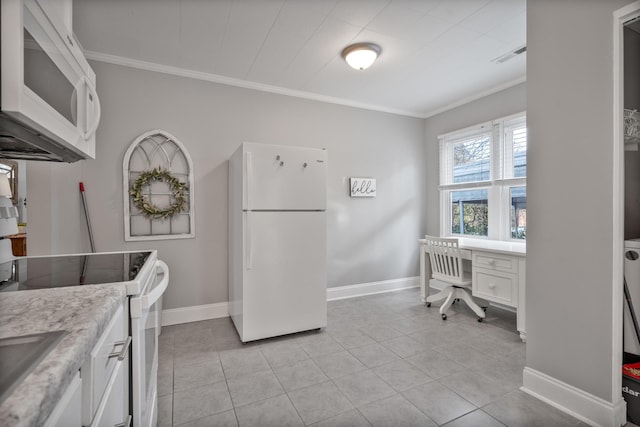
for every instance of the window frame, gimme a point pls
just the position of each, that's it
(501, 176)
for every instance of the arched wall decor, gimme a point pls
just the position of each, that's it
(157, 177)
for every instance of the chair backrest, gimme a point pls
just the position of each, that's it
(446, 262)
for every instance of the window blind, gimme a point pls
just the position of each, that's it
(466, 156)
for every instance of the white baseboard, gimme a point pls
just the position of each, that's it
(362, 289)
(578, 403)
(196, 313)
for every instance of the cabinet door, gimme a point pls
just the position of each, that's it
(114, 409)
(104, 373)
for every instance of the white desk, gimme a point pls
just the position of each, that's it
(498, 273)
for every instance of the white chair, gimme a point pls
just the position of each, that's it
(446, 266)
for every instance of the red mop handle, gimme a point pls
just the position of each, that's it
(86, 214)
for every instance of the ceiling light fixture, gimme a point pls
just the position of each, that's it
(361, 55)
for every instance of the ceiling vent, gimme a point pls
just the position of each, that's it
(510, 55)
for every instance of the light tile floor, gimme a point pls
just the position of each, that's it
(383, 360)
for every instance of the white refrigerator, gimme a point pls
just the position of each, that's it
(277, 240)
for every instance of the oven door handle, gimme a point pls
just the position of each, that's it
(141, 304)
(156, 292)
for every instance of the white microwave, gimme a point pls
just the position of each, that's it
(49, 106)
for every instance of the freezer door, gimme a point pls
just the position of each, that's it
(284, 178)
(285, 287)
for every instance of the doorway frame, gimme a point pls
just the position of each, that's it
(620, 17)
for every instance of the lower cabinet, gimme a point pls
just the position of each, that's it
(500, 278)
(114, 410)
(495, 278)
(99, 393)
(105, 376)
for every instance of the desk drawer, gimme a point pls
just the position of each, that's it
(495, 286)
(495, 262)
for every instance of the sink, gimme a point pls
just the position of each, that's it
(20, 355)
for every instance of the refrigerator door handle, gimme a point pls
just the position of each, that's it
(249, 245)
(249, 168)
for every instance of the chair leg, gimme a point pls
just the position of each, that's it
(444, 307)
(464, 295)
(440, 295)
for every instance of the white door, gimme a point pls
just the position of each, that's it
(285, 178)
(285, 288)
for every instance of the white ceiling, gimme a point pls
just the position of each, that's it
(436, 54)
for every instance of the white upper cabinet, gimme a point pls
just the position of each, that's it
(47, 85)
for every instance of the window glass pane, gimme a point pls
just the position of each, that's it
(472, 160)
(518, 196)
(519, 141)
(470, 212)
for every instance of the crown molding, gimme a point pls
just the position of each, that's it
(214, 78)
(245, 84)
(476, 96)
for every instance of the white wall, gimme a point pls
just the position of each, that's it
(368, 239)
(500, 104)
(569, 191)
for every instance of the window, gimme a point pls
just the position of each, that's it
(483, 187)
(10, 168)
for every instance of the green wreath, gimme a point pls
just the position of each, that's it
(178, 194)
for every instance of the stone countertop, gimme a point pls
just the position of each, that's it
(82, 311)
